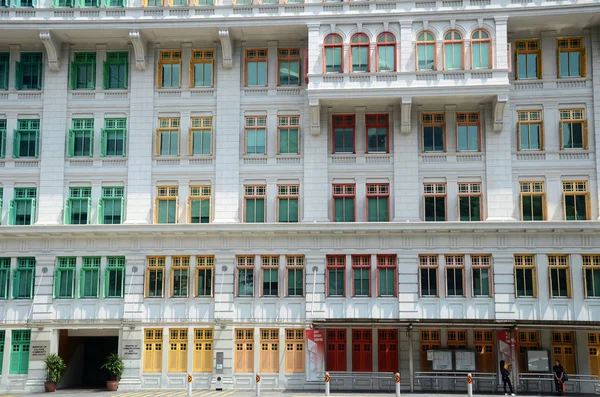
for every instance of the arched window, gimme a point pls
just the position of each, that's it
(333, 54)
(359, 46)
(386, 52)
(425, 51)
(453, 51)
(481, 50)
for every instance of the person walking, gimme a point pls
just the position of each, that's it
(559, 375)
(505, 372)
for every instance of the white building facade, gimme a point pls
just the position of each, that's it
(199, 186)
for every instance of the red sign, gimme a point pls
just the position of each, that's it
(315, 340)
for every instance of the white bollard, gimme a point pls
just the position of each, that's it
(257, 385)
(189, 389)
(327, 381)
(397, 384)
(470, 385)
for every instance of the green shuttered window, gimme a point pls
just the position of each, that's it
(89, 277)
(114, 277)
(19, 354)
(24, 279)
(64, 278)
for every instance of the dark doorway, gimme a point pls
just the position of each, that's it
(84, 355)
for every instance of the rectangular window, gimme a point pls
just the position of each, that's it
(434, 200)
(295, 275)
(89, 277)
(203, 350)
(256, 67)
(22, 207)
(344, 196)
(529, 59)
(378, 130)
(4, 70)
(387, 352)
(245, 276)
(4, 278)
(26, 139)
(153, 341)
(116, 70)
(467, 130)
(114, 135)
(178, 350)
(243, 358)
(563, 350)
(114, 277)
(525, 276)
(155, 277)
(560, 276)
(269, 350)
(200, 136)
(336, 275)
(169, 69)
(78, 207)
(24, 279)
(287, 203)
(573, 129)
(270, 275)
(180, 273)
(2, 138)
(533, 201)
(202, 68)
(591, 275)
(81, 138)
(83, 71)
(254, 203)
(527, 340)
(469, 201)
(485, 357)
(434, 132)
(288, 129)
(428, 271)
(455, 275)
(205, 266)
(361, 275)
(110, 210)
(343, 133)
(387, 275)
(456, 339)
(199, 204)
(167, 136)
(19, 354)
(530, 130)
(166, 206)
(64, 278)
(289, 66)
(29, 71)
(378, 197)
(576, 201)
(481, 270)
(294, 350)
(362, 355)
(430, 340)
(255, 133)
(571, 57)
(335, 359)
(2, 342)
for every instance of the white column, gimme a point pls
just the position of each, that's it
(359, 132)
(407, 190)
(96, 194)
(184, 189)
(100, 58)
(97, 137)
(11, 125)
(548, 45)
(501, 61)
(272, 63)
(186, 55)
(504, 286)
(594, 125)
(406, 56)
(184, 125)
(15, 56)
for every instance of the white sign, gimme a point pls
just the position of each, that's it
(132, 349)
(464, 361)
(38, 350)
(429, 355)
(442, 360)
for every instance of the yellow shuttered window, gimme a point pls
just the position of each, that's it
(294, 350)
(203, 349)
(178, 350)
(484, 351)
(269, 350)
(243, 359)
(563, 350)
(594, 352)
(153, 341)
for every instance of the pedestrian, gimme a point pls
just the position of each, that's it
(559, 375)
(505, 372)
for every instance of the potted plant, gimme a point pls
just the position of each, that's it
(114, 365)
(55, 367)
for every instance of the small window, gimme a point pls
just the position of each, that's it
(199, 204)
(288, 128)
(167, 136)
(533, 201)
(336, 275)
(591, 275)
(571, 57)
(453, 51)
(387, 274)
(256, 67)
(205, 266)
(334, 54)
(530, 130)
(359, 53)
(343, 133)
(386, 52)
(295, 275)
(4, 280)
(89, 277)
(29, 71)
(455, 275)
(22, 207)
(378, 131)
(361, 275)
(425, 51)
(469, 201)
(26, 139)
(481, 270)
(245, 276)
(200, 136)
(344, 197)
(287, 203)
(180, 273)
(560, 276)
(114, 277)
(428, 275)
(111, 208)
(256, 135)
(529, 59)
(64, 278)
(83, 71)
(573, 129)
(2, 138)
(24, 278)
(481, 50)
(155, 277)
(289, 67)
(114, 136)
(169, 69)
(467, 129)
(116, 68)
(576, 201)
(4, 70)
(434, 200)
(457, 339)
(434, 132)
(81, 138)
(525, 276)
(270, 275)
(255, 203)
(201, 66)
(378, 202)
(166, 205)
(78, 208)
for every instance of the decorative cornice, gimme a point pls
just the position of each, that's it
(405, 116)
(499, 106)
(139, 49)
(315, 117)
(226, 48)
(51, 50)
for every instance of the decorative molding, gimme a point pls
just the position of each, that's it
(315, 117)
(386, 26)
(425, 25)
(359, 27)
(332, 27)
(226, 48)
(139, 49)
(51, 50)
(405, 126)
(499, 106)
(453, 24)
(480, 23)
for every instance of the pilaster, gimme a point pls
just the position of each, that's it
(501, 41)
(407, 191)
(407, 60)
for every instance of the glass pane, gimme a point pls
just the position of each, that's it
(440, 209)
(577, 135)
(570, 208)
(475, 208)
(338, 209)
(484, 55)
(429, 209)
(293, 210)
(293, 145)
(564, 64)
(428, 139)
(476, 49)
(528, 275)
(252, 73)
(527, 208)
(174, 143)
(260, 142)
(260, 210)
(574, 64)
(172, 211)
(538, 208)
(349, 210)
(372, 209)
(250, 210)
(531, 66)
(473, 140)
(462, 138)
(207, 75)
(534, 136)
(337, 60)
(438, 137)
(262, 73)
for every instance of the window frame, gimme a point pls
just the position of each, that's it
(387, 262)
(335, 262)
(168, 57)
(481, 40)
(288, 55)
(269, 263)
(35, 61)
(258, 56)
(115, 58)
(5, 68)
(288, 192)
(429, 262)
(433, 120)
(468, 119)
(111, 193)
(573, 116)
(28, 196)
(178, 350)
(244, 342)
(527, 47)
(533, 189)
(90, 265)
(288, 123)
(454, 263)
(530, 117)
(378, 191)
(559, 262)
(113, 125)
(203, 350)
(204, 263)
(591, 263)
(65, 267)
(27, 126)
(245, 263)
(255, 192)
(114, 264)
(430, 339)
(24, 265)
(333, 41)
(166, 193)
(83, 59)
(153, 342)
(256, 124)
(343, 122)
(201, 193)
(437, 190)
(360, 45)
(155, 264)
(425, 41)
(382, 44)
(85, 127)
(571, 44)
(83, 196)
(452, 41)
(294, 263)
(3, 124)
(180, 264)
(361, 263)
(294, 350)
(576, 188)
(377, 121)
(457, 339)
(170, 125)
(200, 125)
(5, 277)
(470, 190)
(344, 191)
(202, 57)
(480, 262)
(525, 262)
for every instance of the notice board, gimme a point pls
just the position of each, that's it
(537, 361)
(464, 360)
(442, 360)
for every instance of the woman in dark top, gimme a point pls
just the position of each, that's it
(505, 372)
(559, 372)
